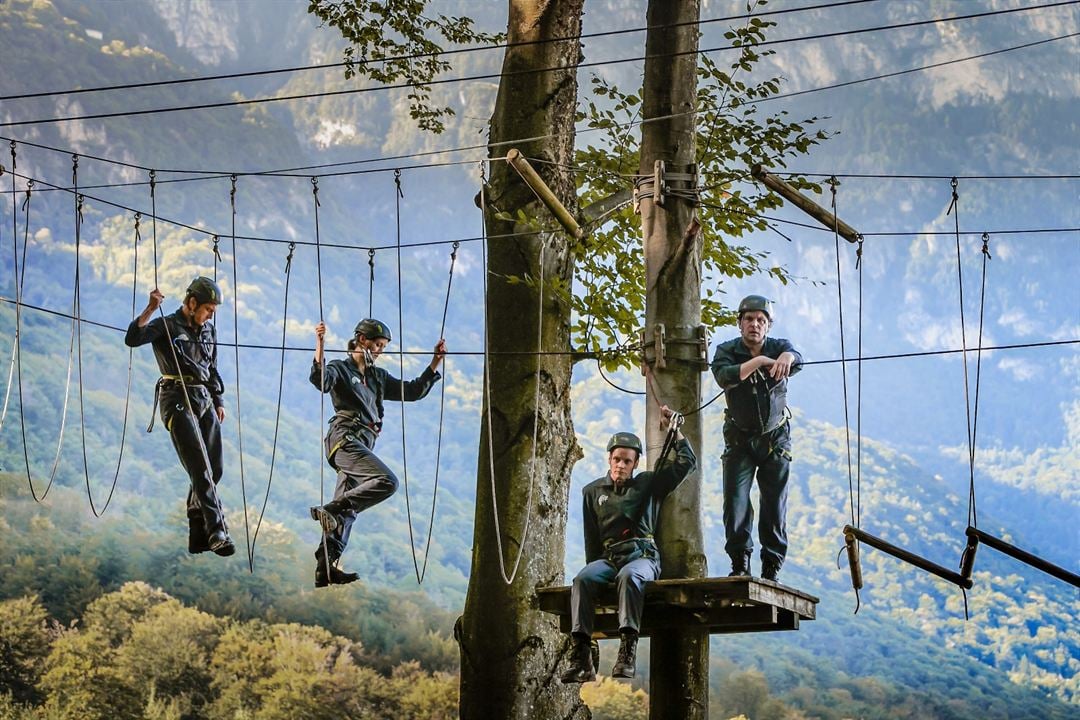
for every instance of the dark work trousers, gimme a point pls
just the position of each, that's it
(202, 497)
(770, 455)
(363, 480)
(629, 582)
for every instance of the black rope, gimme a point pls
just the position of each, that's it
(277, 412)
(954, 210)
(833, 183)
(371, 282)
(322, 367)
(18, 281)
(236, 356)
(973, 518)
(858, 388)
(442, 406)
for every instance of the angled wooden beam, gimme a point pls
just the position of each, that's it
(538, 186)
(976, 536)
(908, 557)
(805, 204)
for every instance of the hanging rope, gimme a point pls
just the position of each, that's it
(236, 356)
(371, 282)
(18, 275)
(322, 366)
(216, 248)
(954, 210)
(858, 386)
(277, 412)
(442, 407)
(973, 519)
(127, 390)
(509, 579)
(833, 183)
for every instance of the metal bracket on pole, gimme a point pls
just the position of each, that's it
(805, 204)
(664, 185)
(680, 343)
(538, 186)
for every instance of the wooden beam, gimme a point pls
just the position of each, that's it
(909, 557)
(1023, 556)
(805, 204)
(538, 186)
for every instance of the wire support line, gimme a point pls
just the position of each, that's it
(577, 354)
(418, 56)
(557, 68)
(286, 172)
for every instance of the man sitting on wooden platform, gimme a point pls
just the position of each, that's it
(620, 514)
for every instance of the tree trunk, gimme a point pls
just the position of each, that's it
(511, 653)
(679, 661)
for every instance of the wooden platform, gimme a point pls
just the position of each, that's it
(716, 605)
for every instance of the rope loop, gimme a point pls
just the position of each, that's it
(397, 182)
(153, 184)
(986, 246)
(74, 168)
(954, 183)
(217, 248)
(288, 260)
(232, 190)
(858, 251)
(29, 192)
(315, 190)
(79, 199)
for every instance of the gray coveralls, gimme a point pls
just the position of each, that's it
(196, 349)
(363, 479)
(757, 436)
(619, 545)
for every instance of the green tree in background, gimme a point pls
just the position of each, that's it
(24, 642)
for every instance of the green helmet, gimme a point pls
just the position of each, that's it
(204, 290)
(756, 302)
(624, 440)
(372, 329)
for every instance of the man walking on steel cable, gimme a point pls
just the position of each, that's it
(753, 370)
(185, 346)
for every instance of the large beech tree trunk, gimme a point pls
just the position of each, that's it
(511, 653)
(679, 660)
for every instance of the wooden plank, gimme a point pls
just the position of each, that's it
(716, 605)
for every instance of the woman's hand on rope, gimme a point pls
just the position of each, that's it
(220, 413)
(440, 353)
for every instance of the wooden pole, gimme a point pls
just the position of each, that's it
(805, 204)
(538, 186)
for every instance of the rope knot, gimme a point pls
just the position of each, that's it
(955, 196)
(288, 260)
(397, 182)
(315, 190)
(79, 206)
(217, 249)
(232, 190)
(14, 166)
(74, 169)
(986, 246)
(29, 192)
(858, 251)
(153, 182)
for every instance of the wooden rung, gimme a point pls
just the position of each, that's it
(908, 557)
(1022, 555)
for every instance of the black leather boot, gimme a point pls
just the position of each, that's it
(197, 541)
(740, 564)
(336, 576)
(581, 662)
(625, 662)
(770, 570)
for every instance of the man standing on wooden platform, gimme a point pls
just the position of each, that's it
(620, 514)
(753, 370)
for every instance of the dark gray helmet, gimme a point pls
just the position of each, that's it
(756, 302)
(204, 290)
(372, 329)
(624, 440)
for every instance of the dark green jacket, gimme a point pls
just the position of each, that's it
(757, 404)
(612, 516)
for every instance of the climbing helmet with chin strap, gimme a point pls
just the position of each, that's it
(373, 329)
(204, 290)
(625, 440)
